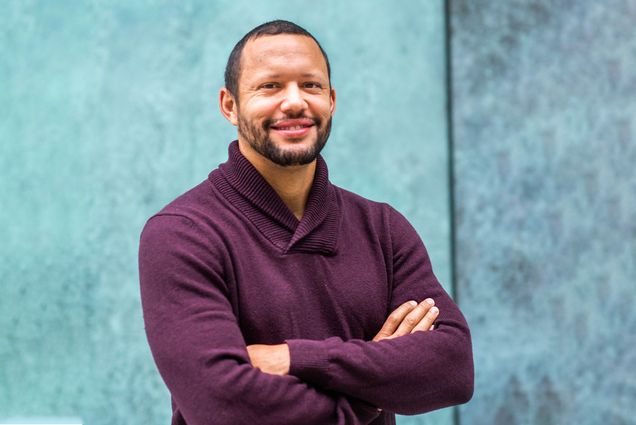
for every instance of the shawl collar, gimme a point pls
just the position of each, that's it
(244, 187)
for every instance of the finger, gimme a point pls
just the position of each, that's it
(414, 318)
(395, 318)
(431, 328)
(427, 321)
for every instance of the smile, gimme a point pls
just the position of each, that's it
(296, 127)
(293, 128)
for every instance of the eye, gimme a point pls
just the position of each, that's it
(312, 85)
(268, 86)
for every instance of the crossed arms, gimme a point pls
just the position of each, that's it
(210, 371)
(408, 318)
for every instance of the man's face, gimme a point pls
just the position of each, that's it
(285, 102)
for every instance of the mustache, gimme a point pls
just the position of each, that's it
(269, 122)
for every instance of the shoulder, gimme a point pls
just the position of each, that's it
(187, 217)
(373, 210)
(199, 205)
(378, 217)
(190, 202)
(353, 203)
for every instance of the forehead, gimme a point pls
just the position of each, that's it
(273, 53)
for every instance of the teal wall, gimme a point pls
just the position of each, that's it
(544, 128)
(108, 111)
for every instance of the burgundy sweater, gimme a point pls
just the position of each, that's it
(227, 264)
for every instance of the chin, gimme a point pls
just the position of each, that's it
(302, 152)
(294, 144)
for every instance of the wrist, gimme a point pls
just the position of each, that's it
(284, 359)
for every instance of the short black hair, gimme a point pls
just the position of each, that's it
(233, 67)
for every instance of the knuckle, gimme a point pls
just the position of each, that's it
(411, 321)
(425, 306)
(424, 324)
(393, 319)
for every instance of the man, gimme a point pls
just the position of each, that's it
(271, 296)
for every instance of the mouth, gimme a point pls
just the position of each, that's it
(293, 128)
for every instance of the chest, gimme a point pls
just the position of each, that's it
(308, 295)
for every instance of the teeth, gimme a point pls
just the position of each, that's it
(296, 127)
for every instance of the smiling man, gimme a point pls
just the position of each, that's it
(271, 296)
(274, 106)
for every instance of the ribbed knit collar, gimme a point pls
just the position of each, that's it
(242, 185)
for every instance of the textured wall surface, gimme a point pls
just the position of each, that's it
(108, 111)
(544, 125)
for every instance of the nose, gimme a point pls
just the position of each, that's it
(293, 101)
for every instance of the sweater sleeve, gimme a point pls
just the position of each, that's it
(199, 349)
(411, 374)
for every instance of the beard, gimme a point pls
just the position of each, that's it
(260, 141)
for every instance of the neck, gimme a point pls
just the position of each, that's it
(292, 183)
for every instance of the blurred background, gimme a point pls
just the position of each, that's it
(504, 131)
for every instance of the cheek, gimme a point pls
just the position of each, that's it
(259, 108)
(322, 106)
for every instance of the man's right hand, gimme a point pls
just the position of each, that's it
(408, 318)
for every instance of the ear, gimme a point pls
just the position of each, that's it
(332, 98)
(228, 106)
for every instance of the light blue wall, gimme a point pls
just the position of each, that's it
(545, 170)
(108, 111)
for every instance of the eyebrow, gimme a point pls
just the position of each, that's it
(275, 76)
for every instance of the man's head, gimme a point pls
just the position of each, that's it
(233, 66)
(278, 92)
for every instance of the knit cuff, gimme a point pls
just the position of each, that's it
(309, 360)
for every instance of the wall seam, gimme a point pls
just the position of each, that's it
(451, 160)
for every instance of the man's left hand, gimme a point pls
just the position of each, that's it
(272, 359)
